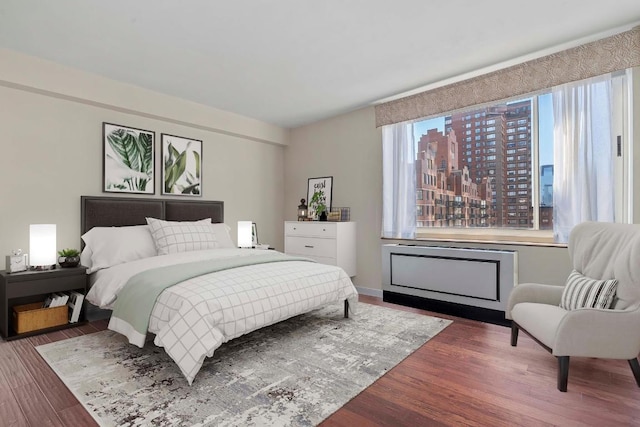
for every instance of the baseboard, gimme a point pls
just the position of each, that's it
(369, 292)
(453, 309)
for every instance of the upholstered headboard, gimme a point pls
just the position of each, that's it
(97, 211)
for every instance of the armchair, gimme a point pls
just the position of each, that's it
(597, 251)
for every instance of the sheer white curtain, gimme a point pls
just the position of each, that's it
(583, 178)
(398, 181)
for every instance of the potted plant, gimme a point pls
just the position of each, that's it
(317, 203)
(68, 258)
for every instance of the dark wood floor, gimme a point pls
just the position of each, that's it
(468, 375)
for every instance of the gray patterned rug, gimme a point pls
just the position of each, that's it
(294, 373)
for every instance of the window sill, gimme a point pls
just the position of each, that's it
(490, 235)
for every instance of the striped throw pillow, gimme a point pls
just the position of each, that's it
(583, 292)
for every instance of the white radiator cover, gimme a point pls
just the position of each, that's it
(477, 277)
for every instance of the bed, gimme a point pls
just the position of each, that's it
(169, 270)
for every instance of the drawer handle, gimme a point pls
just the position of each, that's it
(308, 246)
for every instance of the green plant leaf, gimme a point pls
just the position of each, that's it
(125, 145)
(174, 153)
(192, 189)
(69, 252)
(197, 157)
(173, 172)
(145, 147)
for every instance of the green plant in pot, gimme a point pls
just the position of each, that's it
(317, 204)
(68, 258)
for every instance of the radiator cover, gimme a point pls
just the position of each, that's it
(470, 276)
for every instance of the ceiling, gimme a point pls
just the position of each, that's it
(292, 62)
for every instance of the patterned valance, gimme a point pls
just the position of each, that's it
(603, 56)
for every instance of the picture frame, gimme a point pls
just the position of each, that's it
(128, 159)
(254, 235)
(181, 166)
(323, 185)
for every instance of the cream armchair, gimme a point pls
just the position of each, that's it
(598, 251)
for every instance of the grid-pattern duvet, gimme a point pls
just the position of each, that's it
(193, 318)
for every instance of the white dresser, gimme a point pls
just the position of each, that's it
(331, 243)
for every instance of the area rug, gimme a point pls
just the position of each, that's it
(294, 373)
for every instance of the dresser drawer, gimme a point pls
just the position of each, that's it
(311, 246)
(314, 229)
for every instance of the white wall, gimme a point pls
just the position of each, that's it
(349, 147)
(51, 150)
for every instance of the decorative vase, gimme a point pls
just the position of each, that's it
(68, 261)
(323, 216)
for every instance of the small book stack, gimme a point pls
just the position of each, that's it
(72, 298)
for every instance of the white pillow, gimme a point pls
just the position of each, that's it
(223, 236)
(85, 257)
(108, 246)
(174, 236)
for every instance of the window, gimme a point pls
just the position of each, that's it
(525, 130)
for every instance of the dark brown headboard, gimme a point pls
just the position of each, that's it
(97, 211)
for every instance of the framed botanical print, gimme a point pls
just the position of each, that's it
(181, 165)
(128, 159)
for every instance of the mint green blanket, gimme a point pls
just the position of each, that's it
(137, 298)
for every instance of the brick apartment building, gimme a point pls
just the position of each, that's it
(478, 172)
(446, 194)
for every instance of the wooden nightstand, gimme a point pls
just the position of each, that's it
(34, 286)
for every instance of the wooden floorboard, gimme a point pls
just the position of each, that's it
(52, 387)
(467, 375)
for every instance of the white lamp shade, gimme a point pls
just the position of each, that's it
(42, 244)
(244, 234)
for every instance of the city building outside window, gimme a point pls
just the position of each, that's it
(461, 202)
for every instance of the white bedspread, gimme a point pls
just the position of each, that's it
(193, 318)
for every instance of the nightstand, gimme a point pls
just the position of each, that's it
(34, 286)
